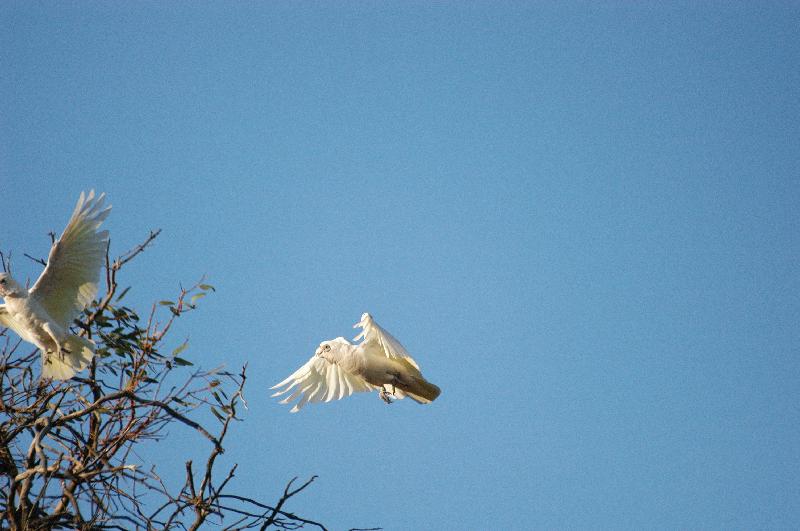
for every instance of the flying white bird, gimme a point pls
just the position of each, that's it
(43, 314)
(339, 368)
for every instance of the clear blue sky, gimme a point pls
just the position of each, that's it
(582, 219)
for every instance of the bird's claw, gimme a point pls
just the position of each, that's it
(384, 394)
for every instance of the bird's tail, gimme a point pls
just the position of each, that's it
(421, 390)
(79, 352)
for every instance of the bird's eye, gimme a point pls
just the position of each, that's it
(327, 348)
(2, 281)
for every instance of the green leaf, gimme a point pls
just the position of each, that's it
(196, 296)
(206, 287)
(124, 292)
(182, 362)
(217, 414)
(180, 348)
(166, 303)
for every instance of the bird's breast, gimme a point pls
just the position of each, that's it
(23, 311)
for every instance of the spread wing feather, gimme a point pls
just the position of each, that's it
(383, 340)
(7, 322)
(319, 380)
(69, 282)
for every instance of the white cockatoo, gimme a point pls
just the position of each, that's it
(43, 314)
(339, 368)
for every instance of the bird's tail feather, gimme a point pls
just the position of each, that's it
(81, 352)
(421, 390)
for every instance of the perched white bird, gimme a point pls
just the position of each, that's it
(43, 314)
(339, 368)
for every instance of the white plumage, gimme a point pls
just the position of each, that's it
(43, 314)
(339, 368)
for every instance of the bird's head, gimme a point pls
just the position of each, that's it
(9, 286)
(337, 345)
(323, 348)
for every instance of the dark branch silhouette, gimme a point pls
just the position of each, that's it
(67, 449)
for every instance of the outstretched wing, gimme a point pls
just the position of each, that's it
(320, 380)
(7, 322)
(69, 282)
(379, 339)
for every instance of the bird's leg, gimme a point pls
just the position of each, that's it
(395, 379)
(60, 350)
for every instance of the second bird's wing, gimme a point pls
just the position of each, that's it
(319, 380)
(8, 322)
(382, 341)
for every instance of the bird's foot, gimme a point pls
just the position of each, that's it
(385, 395)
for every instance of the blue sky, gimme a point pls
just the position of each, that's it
(581, 219)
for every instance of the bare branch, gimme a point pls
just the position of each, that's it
(68, 450)
(37, 260)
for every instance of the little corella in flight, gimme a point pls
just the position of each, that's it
(43, 314)
(339, 368)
